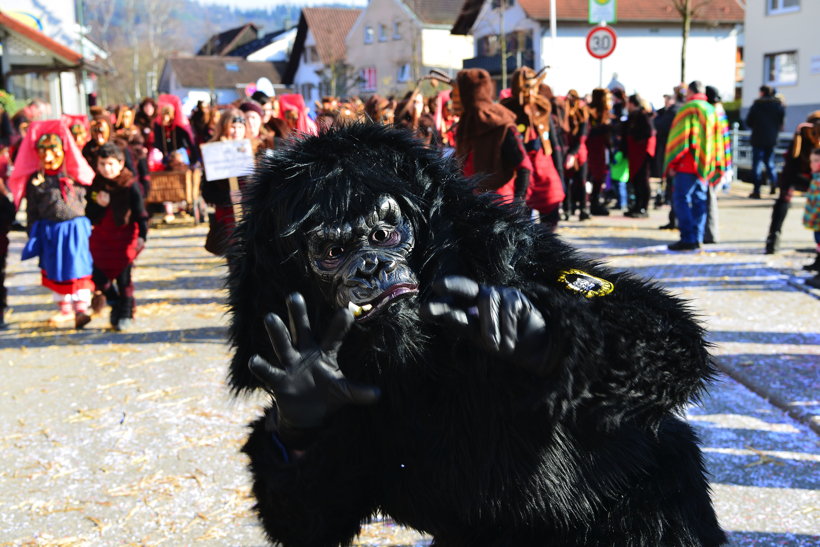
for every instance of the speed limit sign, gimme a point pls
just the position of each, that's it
(601, 42)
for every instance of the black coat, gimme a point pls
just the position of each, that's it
(765, 119)
(464, 444)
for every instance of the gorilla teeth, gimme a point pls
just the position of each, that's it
(357, 311)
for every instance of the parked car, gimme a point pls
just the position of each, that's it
(742, 153)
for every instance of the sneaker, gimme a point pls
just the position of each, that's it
(754, 195)
(683, 246)
(637, 213)
(813, 282)
(669, 226)
(81, 319)
(583, 215)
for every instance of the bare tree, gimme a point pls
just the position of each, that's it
(688, 10)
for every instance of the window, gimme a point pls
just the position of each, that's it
(397, 30)
(774, 7)
(311, 55)
(368, 35)
(232, 67)
(382, 33)
(780, 68)
(404, 73)
(369, 79)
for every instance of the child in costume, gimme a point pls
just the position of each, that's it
(811, 216)
(117, 211)
(52, 172)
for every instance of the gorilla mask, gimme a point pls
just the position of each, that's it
(362, 264)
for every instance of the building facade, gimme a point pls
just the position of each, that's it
(317, 64)
(394, 43)
(647, 54)
(782, 51)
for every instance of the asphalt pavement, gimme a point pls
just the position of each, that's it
(131, 438)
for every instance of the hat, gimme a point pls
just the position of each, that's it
(249, 106)
(260, 97)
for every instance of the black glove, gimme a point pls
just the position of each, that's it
(311, 386)
(500, 319)
(522, 182)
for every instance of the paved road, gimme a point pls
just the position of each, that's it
(131, 438)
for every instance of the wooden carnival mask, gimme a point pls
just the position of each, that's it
(167, 115)
(100, 131)
(80, 134)
(50, 150)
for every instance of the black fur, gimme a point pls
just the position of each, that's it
(462, 445)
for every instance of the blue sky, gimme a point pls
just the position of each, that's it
(271, 3)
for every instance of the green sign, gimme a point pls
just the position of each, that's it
(603, 11)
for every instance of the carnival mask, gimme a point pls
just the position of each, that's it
(50, 151)
(167, 115)
(126, 118)
(100, 131)
(80, 134)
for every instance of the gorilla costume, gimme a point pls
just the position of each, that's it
(451, 365)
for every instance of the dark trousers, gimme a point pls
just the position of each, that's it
(640, 184)
(119, 292)
(763, 157)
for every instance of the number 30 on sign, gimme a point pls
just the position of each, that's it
(601, 42)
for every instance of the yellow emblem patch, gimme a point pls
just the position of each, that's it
(585, 284)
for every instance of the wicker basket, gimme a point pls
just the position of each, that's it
(174, 186)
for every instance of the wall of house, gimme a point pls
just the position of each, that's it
(306, 81)
(278, 50)
(489, 21)
(386, 56)
(775, 33)
(646, 59)
(440, 49)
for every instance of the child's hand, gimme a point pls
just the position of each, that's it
(103, 198)
(140, 244)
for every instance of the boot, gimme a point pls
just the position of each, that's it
(598, 208)
(813, 281)
(125, 319)
(778, 216)
(814, 266)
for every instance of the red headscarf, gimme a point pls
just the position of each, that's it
(74, 119)
(28, 160)
(294, 101)
(180, 120)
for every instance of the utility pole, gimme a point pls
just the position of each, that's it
(503, 38)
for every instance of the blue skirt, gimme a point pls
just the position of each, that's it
(62, 248)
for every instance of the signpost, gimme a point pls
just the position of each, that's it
(228, 160)
(601, 43)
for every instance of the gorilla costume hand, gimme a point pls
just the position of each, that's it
(500, 319)
(311, 386)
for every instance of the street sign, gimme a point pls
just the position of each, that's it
(603, 11)
(601, 42)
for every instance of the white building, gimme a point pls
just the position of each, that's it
(647, 54)
(782, 51)
(396, 42)
(319, 52)
(220, 79)
(45, 54)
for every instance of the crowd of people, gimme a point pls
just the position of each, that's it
(86, 179)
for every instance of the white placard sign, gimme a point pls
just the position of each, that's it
(225, 159)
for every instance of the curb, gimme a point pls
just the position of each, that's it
(812, 421)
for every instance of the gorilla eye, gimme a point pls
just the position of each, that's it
(384, 236)
(333, 252)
